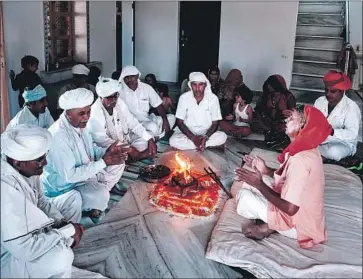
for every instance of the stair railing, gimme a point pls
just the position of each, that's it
(347, 29)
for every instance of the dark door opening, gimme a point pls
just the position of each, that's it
(118, 35)
(199, 32)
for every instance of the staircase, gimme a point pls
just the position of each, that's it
(318, 41)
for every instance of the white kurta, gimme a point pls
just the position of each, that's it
(345, 119)
(75, 164)
(26, 250)
(198, 118)
(139, 103)
(122, 125)
(24, 116)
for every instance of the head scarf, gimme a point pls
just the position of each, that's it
(232, 76)
(314, 132)
(34, 94)
(76, 98)
(80, 69)
(107, 86)
(25, 142)
(153, 78)
(199, 77)
(128, 71)
(337, 80)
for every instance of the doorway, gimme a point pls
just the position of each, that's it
(199, 30)
(118, 35)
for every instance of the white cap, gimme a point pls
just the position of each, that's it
(107, 86)
(76, 98)
(80, 69)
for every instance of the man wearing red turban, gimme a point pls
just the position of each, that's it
(342, 113)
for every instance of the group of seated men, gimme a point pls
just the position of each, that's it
(52, 178)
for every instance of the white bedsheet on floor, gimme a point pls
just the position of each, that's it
(278, 256)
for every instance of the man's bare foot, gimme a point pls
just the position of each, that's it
(94, 213)
(256, 231)
(221, 147)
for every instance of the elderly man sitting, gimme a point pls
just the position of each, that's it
(139, 96)
(198, 115)
(35, 237)
(35, 111)
(76, 167)
(342, 113)
(111, 121)
(293, 205)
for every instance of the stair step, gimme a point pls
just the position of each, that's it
(321, 7)
(306, 95)
(308, 75)
(319, 42)
(313, 82)
(313, 30)
(312, 67)
(325, 55)
(320, 19)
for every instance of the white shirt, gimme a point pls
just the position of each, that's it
(24, 116)
(123, 122)
(344, 118)
(25, 209)
(140, 100)
(198, 117)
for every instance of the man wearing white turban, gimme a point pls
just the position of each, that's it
(76, 166)
(36, 239)
(80, 74)
(35, 111)
(139, 97)
(111, 121)
(198, 115)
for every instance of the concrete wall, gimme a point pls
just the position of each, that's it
(258, 38)
(157, 39)
(356, 23)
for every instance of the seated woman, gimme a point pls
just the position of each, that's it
(294, 206)
(163, 91)
(271, 111)
(216, 82)
(243, 114)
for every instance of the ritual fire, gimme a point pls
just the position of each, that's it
(187, 192)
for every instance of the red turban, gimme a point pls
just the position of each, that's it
(337, 80)
(315, 131)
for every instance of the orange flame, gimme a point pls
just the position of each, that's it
(184, 166)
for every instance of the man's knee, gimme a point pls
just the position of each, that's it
(250, 205)
(181, 142)
(334, 152)
(218, 138)
(74, 207)
(152, 127)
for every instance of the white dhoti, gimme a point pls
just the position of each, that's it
(335, 150)
(93, 193)
(182, 142)
(154, 124)
(251, 204)
(55, 263)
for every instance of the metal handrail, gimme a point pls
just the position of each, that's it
(347, 29)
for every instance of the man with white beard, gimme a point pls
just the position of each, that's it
(77, 167)
(198, 115)
(139, 97)
(36, 239)
(111, 121)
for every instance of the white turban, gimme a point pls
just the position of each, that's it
(76, 98)
(128, 71)
(199, 77)
(25, 142)
(35, 94)
(80, 69)
(107, 86)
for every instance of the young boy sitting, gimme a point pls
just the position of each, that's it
(28, 78)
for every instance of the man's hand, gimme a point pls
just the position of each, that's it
(11, 74)
(115, 155)
(256, 162)
(78, 235)
(251, 178)
(229, 117)
(203, 144)
(166, 126)
(197, 140)
(152, 148)
(134, 154)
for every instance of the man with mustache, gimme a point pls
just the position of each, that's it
(77, 167)
(139, 97)
(198, 115)
(342, 113)
(35, 111)
(111, 121)
(36, 239)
